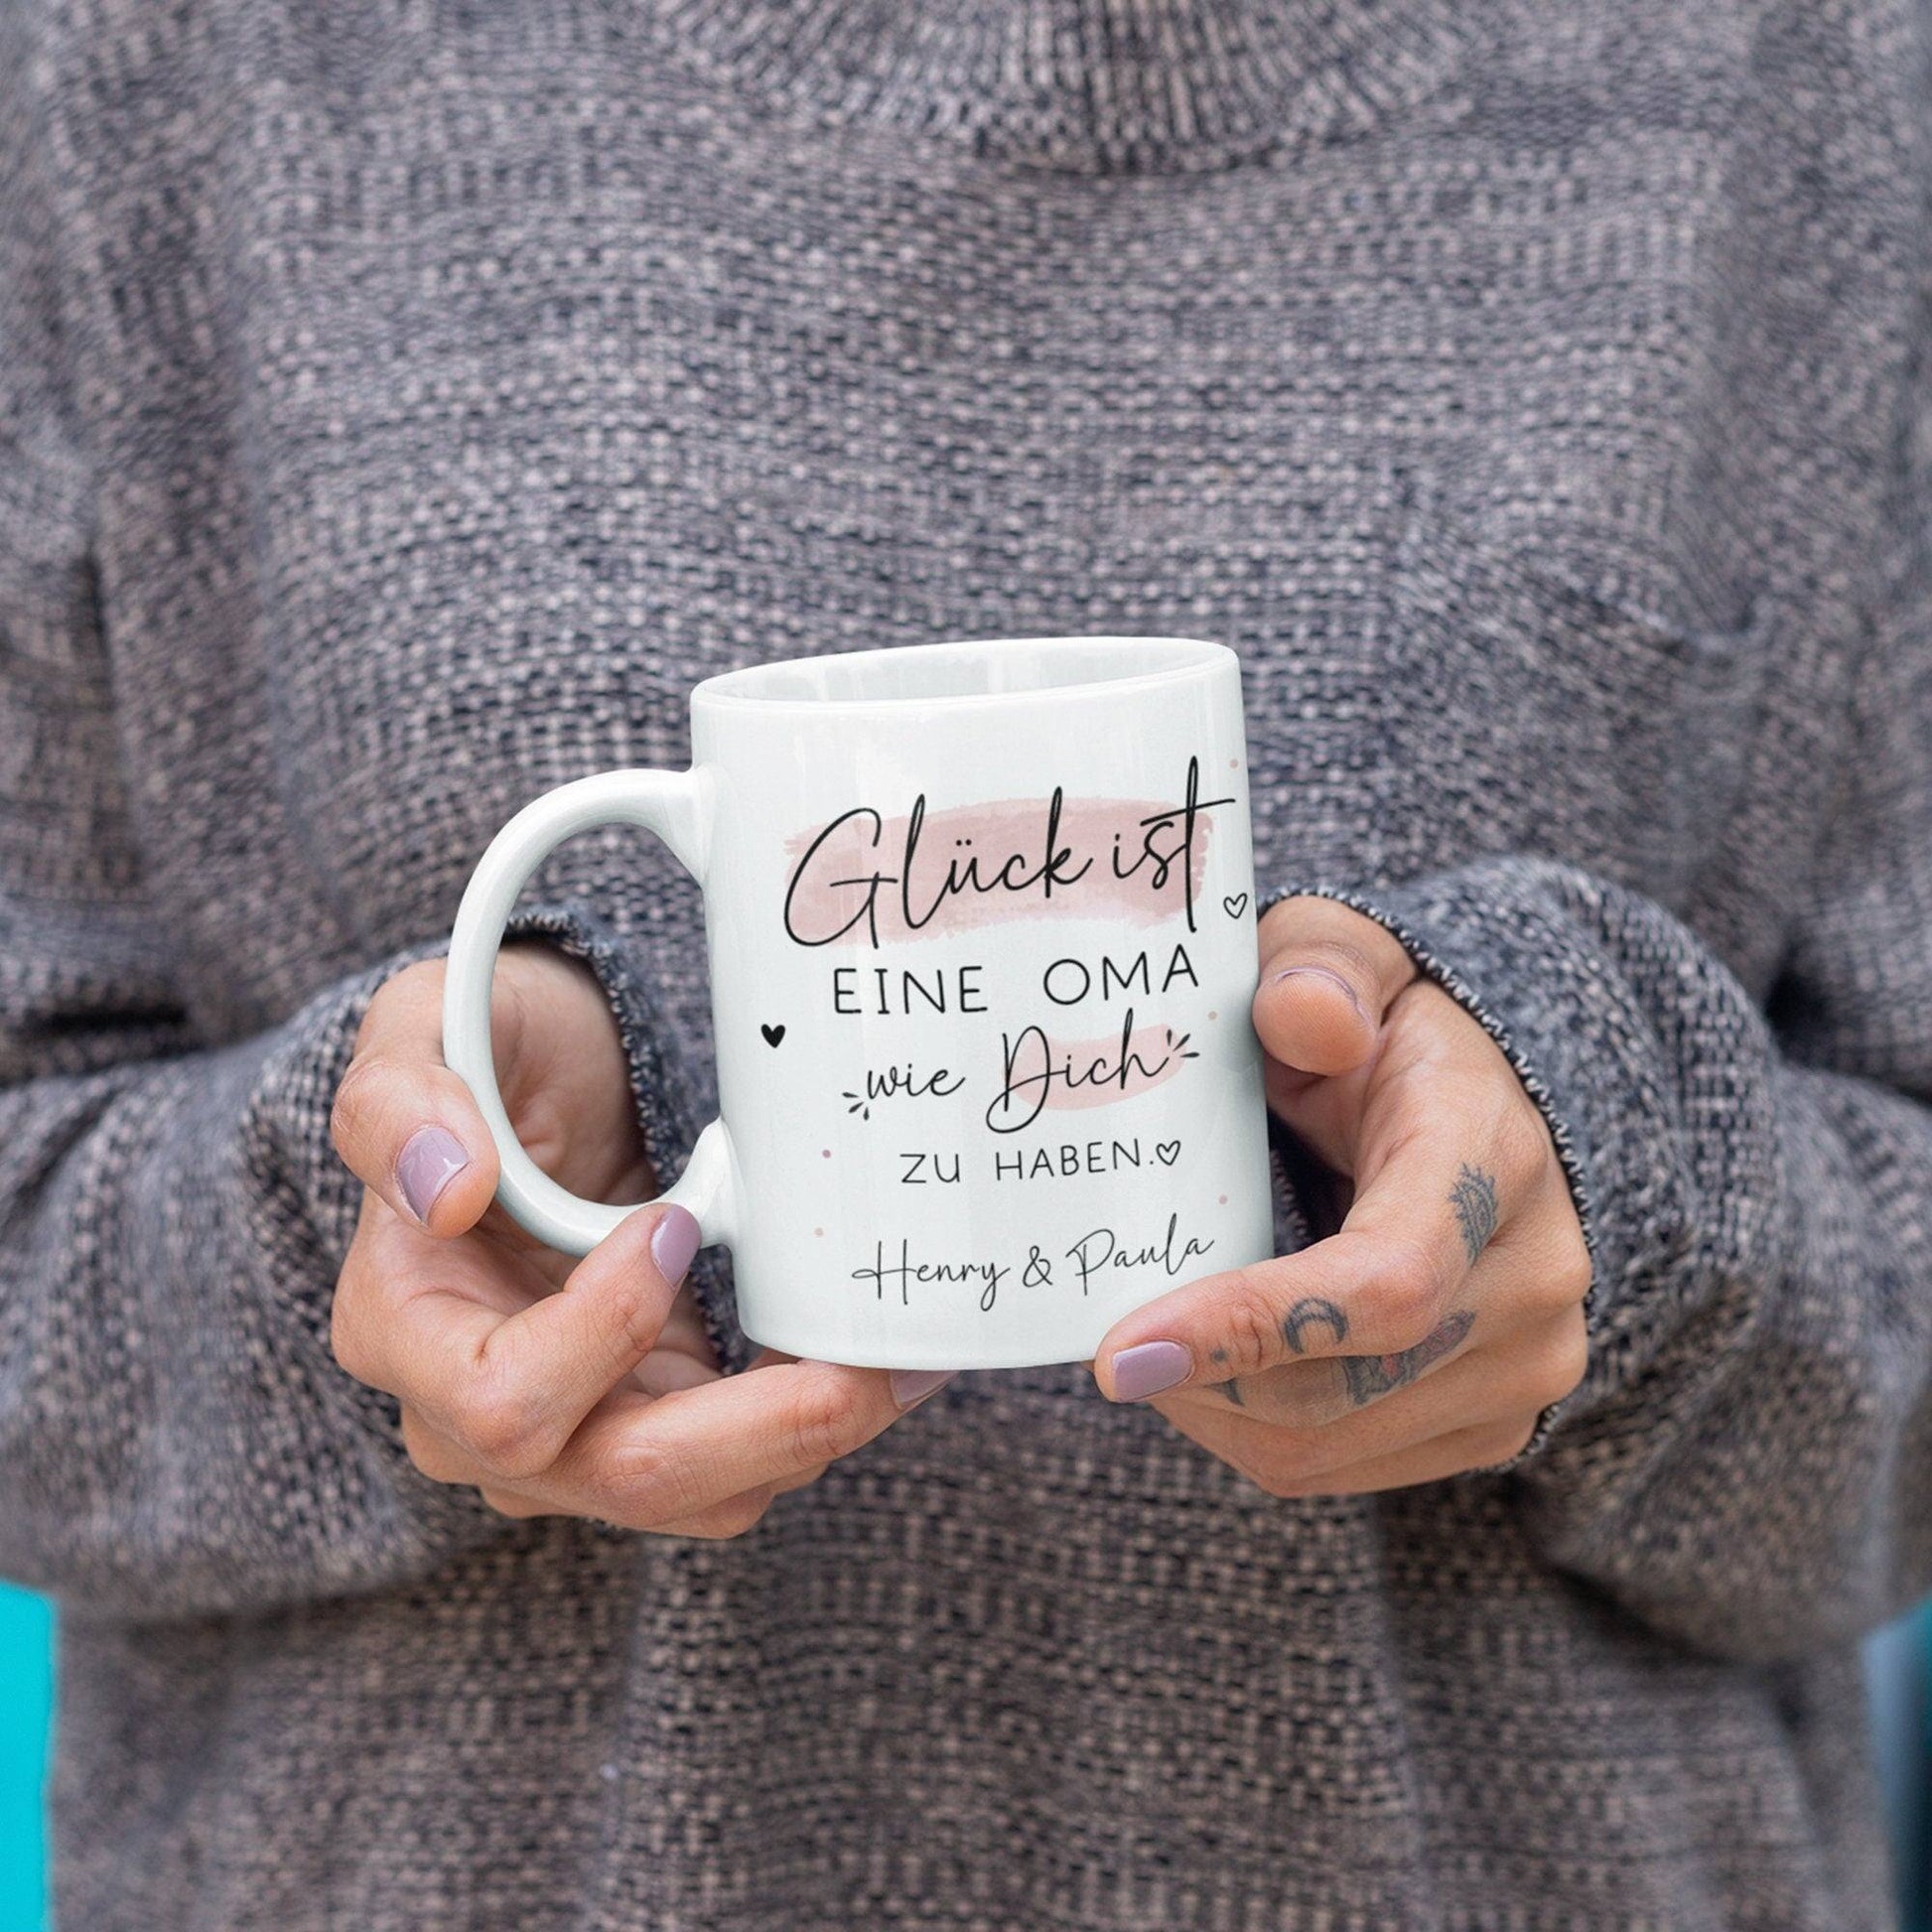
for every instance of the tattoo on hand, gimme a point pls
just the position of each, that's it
(1231, 1387)
(1312, 1309)
(1370, 1376)
(1475, 1199)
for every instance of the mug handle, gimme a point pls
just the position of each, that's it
(677, 808)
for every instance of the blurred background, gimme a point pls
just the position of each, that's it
(1900, 1672)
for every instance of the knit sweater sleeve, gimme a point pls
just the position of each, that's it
(174, 1435)
(1748, 1463)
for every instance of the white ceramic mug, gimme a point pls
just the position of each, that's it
(982, 938)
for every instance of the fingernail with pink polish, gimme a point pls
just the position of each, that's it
(673, 1242)
(430, 1160)
(910, 1385)
(1323, 974)
(1149, 1368)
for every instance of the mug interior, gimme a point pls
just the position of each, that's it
(984, 669)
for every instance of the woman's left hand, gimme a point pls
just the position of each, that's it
(1430, 1332)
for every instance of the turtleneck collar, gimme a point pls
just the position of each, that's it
(1089, 85)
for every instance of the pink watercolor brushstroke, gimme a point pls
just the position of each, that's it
(996, 836)
(1149, 1047)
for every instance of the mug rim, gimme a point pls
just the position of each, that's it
(1187, 657)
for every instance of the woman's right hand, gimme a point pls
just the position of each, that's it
(557, 1385)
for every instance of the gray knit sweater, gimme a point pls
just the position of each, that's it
(404, 401)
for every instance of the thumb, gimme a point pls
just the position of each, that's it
(404, 1124)
(1328, 976)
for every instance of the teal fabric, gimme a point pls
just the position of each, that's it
(25, 1690)
(1918, 1853)
(1899, 1668)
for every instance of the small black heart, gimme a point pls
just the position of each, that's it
(1235, 905)
(773, 1036)
(1166, 1152)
